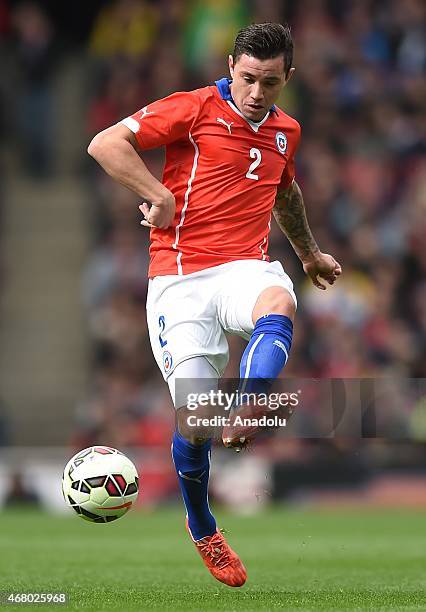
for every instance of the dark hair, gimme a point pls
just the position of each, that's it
(265, 41)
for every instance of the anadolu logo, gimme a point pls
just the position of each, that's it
(281, 140)
(167, 361)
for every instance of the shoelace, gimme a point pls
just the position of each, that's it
(213, 547)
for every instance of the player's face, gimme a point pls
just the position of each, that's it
(257, 84)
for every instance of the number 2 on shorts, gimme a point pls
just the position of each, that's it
(162, 324)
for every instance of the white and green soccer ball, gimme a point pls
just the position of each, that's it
(100, 484)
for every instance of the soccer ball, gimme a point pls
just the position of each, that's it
(100, 484)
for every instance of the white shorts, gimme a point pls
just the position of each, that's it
(189, 314)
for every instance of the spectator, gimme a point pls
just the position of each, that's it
(36, 52)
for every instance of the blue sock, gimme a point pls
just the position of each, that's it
(192, 465)
(266, 354)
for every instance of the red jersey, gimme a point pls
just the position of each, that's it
(224, 171)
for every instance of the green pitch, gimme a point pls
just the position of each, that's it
(295, 560)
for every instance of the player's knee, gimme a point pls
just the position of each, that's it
(274, 300)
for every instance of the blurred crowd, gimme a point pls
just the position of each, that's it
(359, 94)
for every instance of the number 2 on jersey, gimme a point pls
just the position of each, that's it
(257, 156)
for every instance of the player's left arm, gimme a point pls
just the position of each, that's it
(290, 214)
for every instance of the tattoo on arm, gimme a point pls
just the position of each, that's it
(289, 212)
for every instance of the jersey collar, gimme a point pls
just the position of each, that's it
(223, 86)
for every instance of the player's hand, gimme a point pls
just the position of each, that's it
(161, 212)
(323, 266)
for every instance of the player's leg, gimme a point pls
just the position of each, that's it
(191, 451)
(191, 448)
(261, 308)
(191, 350)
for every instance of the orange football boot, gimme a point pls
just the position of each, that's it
(219, 558)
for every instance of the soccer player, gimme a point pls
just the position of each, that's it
(229, 165)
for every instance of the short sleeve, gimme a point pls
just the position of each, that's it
(289, 172)
(165, 120)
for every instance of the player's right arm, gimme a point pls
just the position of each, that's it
(116, 150)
